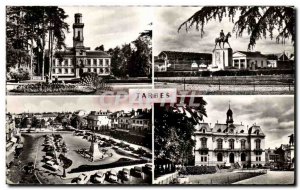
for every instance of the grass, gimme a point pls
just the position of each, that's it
(222, 178)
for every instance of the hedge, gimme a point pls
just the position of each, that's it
(225, 73)
(198, 170)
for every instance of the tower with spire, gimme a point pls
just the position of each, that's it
(229, 114)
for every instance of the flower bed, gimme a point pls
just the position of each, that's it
(53, 87)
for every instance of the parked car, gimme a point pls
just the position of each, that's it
(82, 179)
(51, 165)
(137, 172)
(99, 177)
(124, 174)
(147, 169)
(112, 176)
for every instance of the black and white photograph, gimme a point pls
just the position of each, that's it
(218, 50)
(53, 50)
(218, 140)
(78, 140)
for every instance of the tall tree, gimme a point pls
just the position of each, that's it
(258, 21)
(174, 130)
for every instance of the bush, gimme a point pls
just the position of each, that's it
(198, 170)
(18, 74)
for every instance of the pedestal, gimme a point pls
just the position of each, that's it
(222, 58)
(95, 152)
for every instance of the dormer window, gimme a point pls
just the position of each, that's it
(242, 131)
(219, 130)
(231, 131)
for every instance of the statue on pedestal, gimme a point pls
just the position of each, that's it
(222, 39)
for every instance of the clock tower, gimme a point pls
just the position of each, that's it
(78, 31)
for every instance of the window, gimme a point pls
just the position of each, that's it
(203, 142)
(89, 62)
(220, 157)
(219, 130)
(95, 62)
(59, 70)
(220, 144)
(243, 144)
(258, 158)
(106, 61)
(89, 70)
(66, 71)
(231, 144)
(78, 35)
(257, 144)
(53, 70)
(101, 62)
(203, 159)
(243, 157)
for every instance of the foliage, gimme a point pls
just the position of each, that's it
(133, 59)
(91, 79)
(18, 74)
(174, 130)
(100, 48)
(27, 30)
(258, 21)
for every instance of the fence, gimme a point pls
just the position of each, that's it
(245, 83)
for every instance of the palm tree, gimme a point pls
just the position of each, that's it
(257, 21)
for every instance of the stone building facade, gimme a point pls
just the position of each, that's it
(78, 59)
(229, 144)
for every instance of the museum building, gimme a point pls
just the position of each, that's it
(229, 144)
(78, 59)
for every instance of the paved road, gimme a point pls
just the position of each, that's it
(272, 177)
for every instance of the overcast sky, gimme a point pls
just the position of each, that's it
(111, 26)
(19, 104)
(274, 114)
(168, 19)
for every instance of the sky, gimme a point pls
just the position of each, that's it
(166, 38)
(111, 26)
(274, 114)
(19, 104)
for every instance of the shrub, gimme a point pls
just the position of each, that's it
(19, 74)
(198, 170)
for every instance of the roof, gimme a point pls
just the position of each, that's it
(252, 54)
(186, 55)
(49, 115)
(97, 54)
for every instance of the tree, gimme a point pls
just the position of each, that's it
(77, 121)
(258, 21)
(174, 130)
(100, 48)
(27, 30)
(66, 163)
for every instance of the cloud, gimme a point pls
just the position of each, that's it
(168, 19)
(111, 26)
(269, 112)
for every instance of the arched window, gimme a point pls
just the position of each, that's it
(220, 144)
(257, 143)
(220, 157)
(231, 143)
(203, 142)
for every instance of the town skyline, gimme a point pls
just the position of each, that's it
(70, 104)
(167, 38)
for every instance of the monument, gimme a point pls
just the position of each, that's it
(222, 57)
(94, 150)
